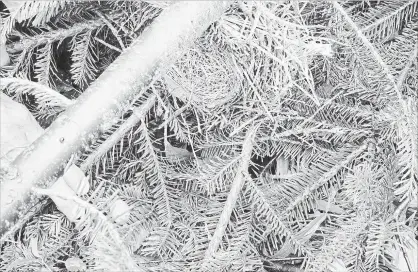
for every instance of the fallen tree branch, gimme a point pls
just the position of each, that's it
(101, 105)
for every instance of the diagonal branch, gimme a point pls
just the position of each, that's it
(102, 104)
(323, 180)
(153, 166)
(113, 139)
(247, 147)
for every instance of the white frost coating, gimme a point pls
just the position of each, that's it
(4, 57)
(120, 212)
(132, 70)
(76, 179)
(74, 264)
(18, 130)
(50, 97)
(71, 209)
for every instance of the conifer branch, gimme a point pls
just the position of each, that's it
(29, 42)
(302, 198)
(328, 178)
(84, 57)
(105, 100)
(45, 96)
(109, 226)
(155, 170)
(374, 52)
(234, 192)
(39, 12)
(112, 140)
(391, 22)
(275, 220)
(45, 65)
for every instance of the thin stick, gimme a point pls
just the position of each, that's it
(113, 29)
(108, 45)
(230, 203)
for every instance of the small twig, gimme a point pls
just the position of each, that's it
(286, 259)
(113, 29)
(322, 107)
(235, 190)
(175, 114)
(108, 45)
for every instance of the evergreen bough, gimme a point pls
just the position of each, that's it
(284, 139)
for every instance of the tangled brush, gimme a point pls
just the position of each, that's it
(205, 77)
(283, 139)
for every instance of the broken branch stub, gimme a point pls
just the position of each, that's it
(104, 102)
